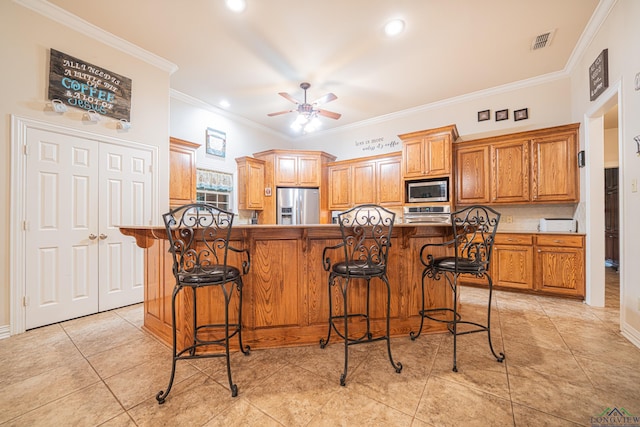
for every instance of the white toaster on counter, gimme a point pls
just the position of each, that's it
(561, 225)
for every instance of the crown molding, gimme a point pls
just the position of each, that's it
(75, 23)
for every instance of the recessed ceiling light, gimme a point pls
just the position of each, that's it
(225, 104)
(394, 27)
(236, 5)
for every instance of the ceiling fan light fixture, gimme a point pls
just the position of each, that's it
(237, 6)
(394, 27)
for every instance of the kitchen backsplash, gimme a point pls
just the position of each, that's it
(527, 218)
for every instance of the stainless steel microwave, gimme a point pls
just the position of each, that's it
(426, 191)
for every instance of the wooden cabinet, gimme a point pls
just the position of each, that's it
(293, 170)
(560, 265)
(472, 175)
(250, 183)
(555, 168)
(428, 153)
(510, 172)
(512, 261)
(551, 264)
(375, 179)
(339, 187)
(389, 185)
(537, 166)
(182, 172)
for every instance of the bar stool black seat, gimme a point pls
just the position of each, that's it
(198, 235)
(366, 239)
(474, 229)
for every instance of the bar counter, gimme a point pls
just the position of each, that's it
(286, 291)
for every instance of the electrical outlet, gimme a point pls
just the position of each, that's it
(508, 219)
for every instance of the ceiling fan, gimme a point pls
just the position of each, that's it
(309, 110)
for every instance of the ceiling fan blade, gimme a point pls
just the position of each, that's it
(324, 99)
(289, 97)
(329, 114)
(280, 112)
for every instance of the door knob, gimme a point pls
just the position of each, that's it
(103, 236)
(92, 236)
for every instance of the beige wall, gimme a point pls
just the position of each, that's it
(620, 34)
(26, 38)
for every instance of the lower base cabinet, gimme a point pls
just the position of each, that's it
(550, 264)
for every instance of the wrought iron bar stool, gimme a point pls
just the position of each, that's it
(198, 235)
(474, 229)
(366, 239)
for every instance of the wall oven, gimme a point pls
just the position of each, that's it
(427, 191)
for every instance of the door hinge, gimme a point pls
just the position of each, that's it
(25, 301)
(25, 149)
(25, 225)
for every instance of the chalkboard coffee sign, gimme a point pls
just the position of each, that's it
(82, 85)
(599, 75)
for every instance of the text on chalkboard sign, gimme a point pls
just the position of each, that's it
(86, 86)
(599, 75)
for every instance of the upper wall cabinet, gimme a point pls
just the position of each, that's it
(296, 168)
(428, 153)
(182, 172)
(250, 183)
(537, 166)
(375, 179)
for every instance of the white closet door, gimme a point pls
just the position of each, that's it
(61, 227)
(125, 199)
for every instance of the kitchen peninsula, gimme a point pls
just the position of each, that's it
(285, 292)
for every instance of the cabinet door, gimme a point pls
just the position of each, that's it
(554, 168)
(560, 270)
(339, 188)
(513, 266)
(510, 172)
(390, 191)
(182, 174)
(437, 154)
(472, 175)
(255, 186)
(413, 158)
(286, 171)
(309, 171)
(364, 183)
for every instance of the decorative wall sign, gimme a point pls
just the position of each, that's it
(376, 144)
(484, 115)
(83, 85)
(502, 115)
(522, 114)
(216, 142)
(599, 75)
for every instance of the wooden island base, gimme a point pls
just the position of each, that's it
(285, 293)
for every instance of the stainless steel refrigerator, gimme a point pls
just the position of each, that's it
(298, 205)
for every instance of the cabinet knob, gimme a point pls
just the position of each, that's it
(103, 236)
(92, 236)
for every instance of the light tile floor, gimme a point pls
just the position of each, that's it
(566, 362)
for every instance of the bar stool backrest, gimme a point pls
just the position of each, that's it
(474, 231)
(198, 235)
(366, 234)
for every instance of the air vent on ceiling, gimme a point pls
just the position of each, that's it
(542, 40)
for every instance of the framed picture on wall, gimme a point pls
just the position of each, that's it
(522, 114)
(216, 142)
(484, 115)
(502, 115)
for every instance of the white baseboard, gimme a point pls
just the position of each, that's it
(631, 334)
(5, 331)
